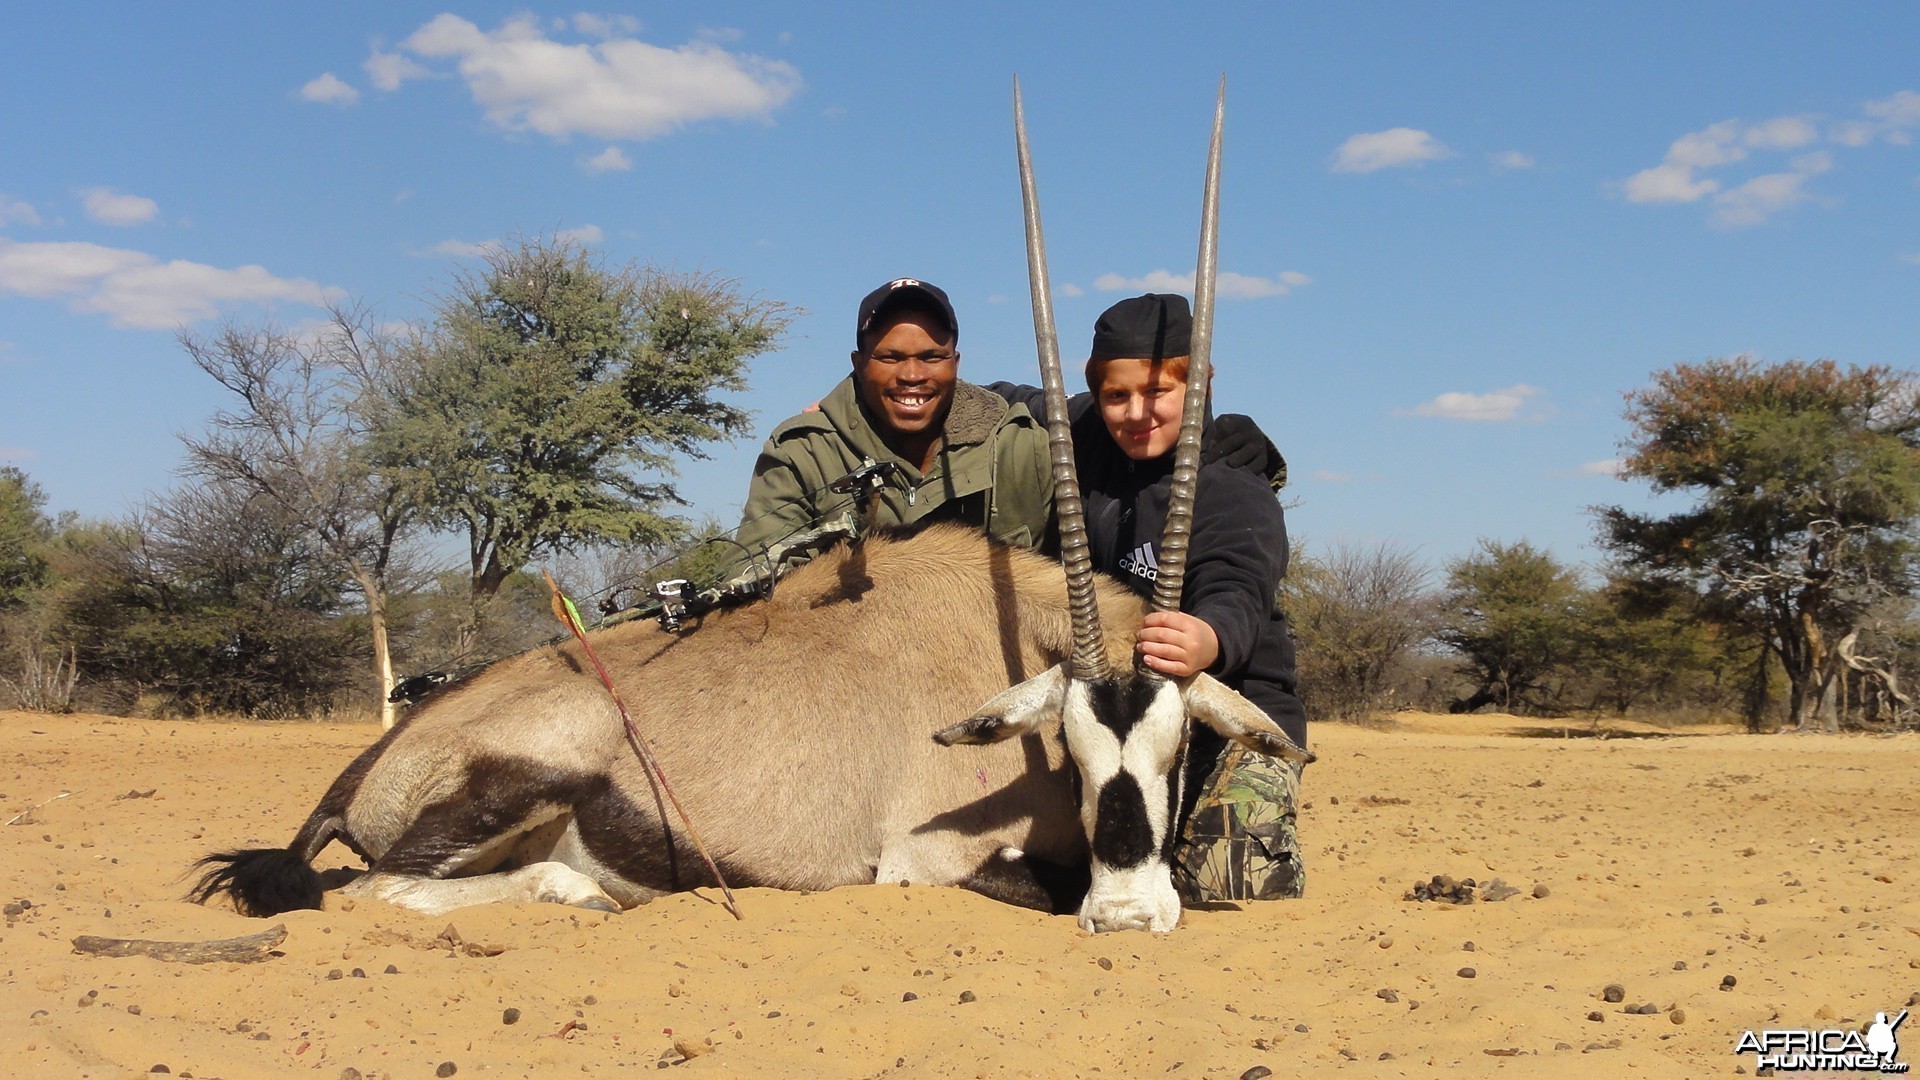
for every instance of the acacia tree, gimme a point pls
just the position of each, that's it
(549, 396)
(298, 439)
(1509, 610)
(1639, 640)
(1806, 480)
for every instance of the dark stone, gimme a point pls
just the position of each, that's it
(1258, 1072)
(966, 997)
(1614, 994)
(1467, 973)
(510, 1016)
(447, 1068)
(909, 996)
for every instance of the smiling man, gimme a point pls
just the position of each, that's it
(961, 452)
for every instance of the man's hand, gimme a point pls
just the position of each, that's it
(1177, 644)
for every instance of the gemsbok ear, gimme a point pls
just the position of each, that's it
(1225, 711)
(1015, 711)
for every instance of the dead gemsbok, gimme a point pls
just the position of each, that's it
(796, 732)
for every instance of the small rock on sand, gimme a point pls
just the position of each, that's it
(1614, 994)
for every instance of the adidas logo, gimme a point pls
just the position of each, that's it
(1141, 562)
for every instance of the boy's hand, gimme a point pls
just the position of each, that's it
(1177, 644)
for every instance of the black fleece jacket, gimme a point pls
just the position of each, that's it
(1235, 558)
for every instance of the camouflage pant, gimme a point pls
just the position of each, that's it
(1239, 843)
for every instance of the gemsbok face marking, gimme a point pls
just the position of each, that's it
(1127, 736)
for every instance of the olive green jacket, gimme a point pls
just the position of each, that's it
(990, 471)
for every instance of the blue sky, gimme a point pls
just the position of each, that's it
(1452, 235)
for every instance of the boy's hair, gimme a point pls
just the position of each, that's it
(1175, 366)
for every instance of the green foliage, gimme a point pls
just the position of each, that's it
(1640, 641)
(208, 602)
(1806, 479)
(24, 531)
(1510, 611)
(545, 404)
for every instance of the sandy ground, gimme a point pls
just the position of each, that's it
(1788, 863)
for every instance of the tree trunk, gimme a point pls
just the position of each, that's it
(1758, 696)
(375, 592)
(383, 664)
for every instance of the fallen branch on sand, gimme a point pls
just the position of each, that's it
(25, 814)
(239, 950)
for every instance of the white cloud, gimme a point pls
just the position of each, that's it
(616, 88)
(1609, 467)
(585, 234)
(13, 210)
(1327, 476)
(17, 453)
(1494, 405)
(1511, 159)
(1226, 284)
(135, 289)
(1678, 178)
(1070, 289)
(329, 90)
(1673, 179)
(1388, 149)
(1716, 145)
(1911, 257)
(110, 207)
(1668, 183)
(1895, 114)
(612, 159)
(1763, 196)
(1782, 133)
(387, 70)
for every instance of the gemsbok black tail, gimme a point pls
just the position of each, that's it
(260, 881)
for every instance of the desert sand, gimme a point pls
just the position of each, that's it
(1666, 863)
